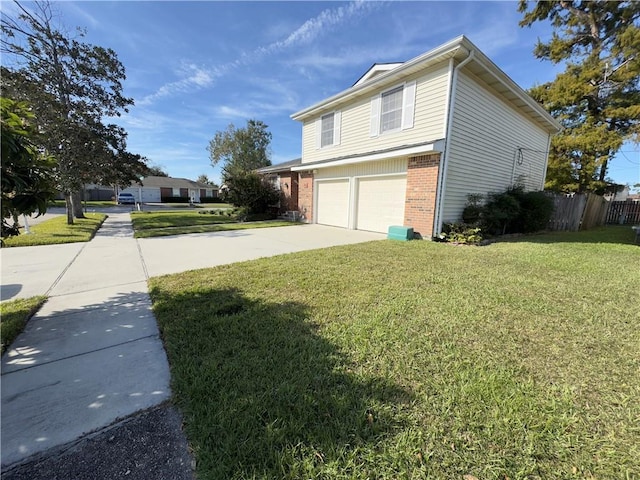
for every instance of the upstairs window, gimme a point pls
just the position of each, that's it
(326, 134)
(393, 109)
(328, 130)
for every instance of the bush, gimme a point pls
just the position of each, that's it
(251, 191)
(536, 209)
(461, 233)
(211, 200)
(510, 211)
(501, 209)
(175, 199)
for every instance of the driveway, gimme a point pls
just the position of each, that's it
(164, 255)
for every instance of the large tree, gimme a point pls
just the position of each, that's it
(241, 150)
(72, 86)
(597, 97)
(27, 175)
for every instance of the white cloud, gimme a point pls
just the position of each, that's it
(311, 29)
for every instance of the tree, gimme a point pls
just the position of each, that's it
(72, 86)
(204, 179)
(27, 175)
(157, 171)
(251, 191)
(241, 150)
(597, 97)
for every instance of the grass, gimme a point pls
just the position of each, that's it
(89, 203)
(223, 227)
(13, 317)
(395, 360)
(159, 224)
(56, 230)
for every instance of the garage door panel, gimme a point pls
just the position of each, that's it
(380, 203)
(333, 203)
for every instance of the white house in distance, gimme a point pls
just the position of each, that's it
(155, 189)
(409, 141)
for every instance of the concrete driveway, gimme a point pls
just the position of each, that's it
(164, 255)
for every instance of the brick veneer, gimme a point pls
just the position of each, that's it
(420, 200)
(289, 191)
(305, 196)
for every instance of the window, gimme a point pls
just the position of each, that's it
(326, 134)
(328, 130)
(393, 109)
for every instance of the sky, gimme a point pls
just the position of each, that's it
(193, 68)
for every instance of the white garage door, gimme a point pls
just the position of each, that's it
(380, 203)
(333, 203)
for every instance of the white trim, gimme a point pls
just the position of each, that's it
(319, 132)
(408, 105)
(546, 163)
(337, 127)
(436, 146)
(374, 128)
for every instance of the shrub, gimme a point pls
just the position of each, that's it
(501, 209)
(175, 199)
(211, 200)
(461, 233)
(473, 211)
(536, 209)
(250, 190)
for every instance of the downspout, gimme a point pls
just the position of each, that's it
(445, 157)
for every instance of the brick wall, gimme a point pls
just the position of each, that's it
(420, 200)
(289, 191)
(305, 196)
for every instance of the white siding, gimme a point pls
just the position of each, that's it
(483, 147)
(383, 167)
(355, 138)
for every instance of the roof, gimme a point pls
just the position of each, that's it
(280, 167)
(376, 155)
(458, 49)
(170, 182)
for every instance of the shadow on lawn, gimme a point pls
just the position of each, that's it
(619, 234)
(262, 393)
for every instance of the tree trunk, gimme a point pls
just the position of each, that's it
(67, 200)
(603, 170)
(76, 201)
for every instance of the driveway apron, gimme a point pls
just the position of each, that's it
(91, 355)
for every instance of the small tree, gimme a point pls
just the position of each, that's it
(27, 175)
(251, 191)
(241, 150)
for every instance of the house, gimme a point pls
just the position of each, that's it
(286, 181)
(408, 142)
(167, 189)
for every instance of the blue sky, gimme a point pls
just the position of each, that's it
(194, 67)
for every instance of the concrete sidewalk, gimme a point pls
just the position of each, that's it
(92, 354)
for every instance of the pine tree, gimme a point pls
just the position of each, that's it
(597, 97)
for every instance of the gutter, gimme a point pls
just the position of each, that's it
(445, 157)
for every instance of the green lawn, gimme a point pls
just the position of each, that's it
(56, 230)
(222, 227)
(395, 360)
(14, 315)
(159, 224)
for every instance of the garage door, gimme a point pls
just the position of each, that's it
(380, 203)
(333, 203)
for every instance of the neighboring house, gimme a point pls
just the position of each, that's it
(285, 181)
(408, 142)
(156, 189)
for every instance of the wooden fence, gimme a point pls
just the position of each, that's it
(578, 212)
(624, 213)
